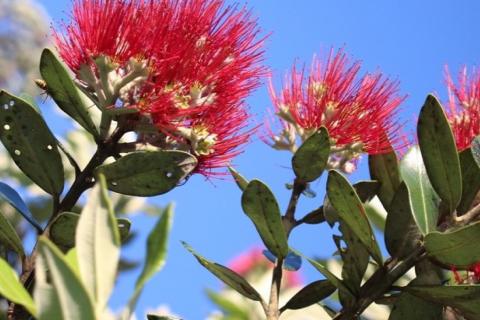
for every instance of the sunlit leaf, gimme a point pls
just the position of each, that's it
(260, 205)
(12, 289)
(30, 143)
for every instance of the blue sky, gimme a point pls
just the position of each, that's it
(409, 40)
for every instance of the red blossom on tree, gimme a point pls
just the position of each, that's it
(357, 110)
(464, 106)
(187, 65)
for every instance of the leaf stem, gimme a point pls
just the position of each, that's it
(469, 216)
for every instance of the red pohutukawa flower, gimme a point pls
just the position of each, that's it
(358, 111)
(186, 65)
(464, 106)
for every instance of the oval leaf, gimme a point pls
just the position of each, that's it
(74, 299)
(401, 233)
(63, 90)
(311, 158)
(12, 289)
(229, 277)
(351, 211)
(63, 229)
(459, 248)
(30, 143)
(9, 237)
(310, 294)
(439, 152)
(260, 205)
(470, 180)
(384, 169)
(97, 243)
(13, 198)
(148, 173)
(423, 199)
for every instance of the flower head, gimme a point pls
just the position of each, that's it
(357, 111)
(185, 65)
(464, 106)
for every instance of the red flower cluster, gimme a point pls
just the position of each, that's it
(357, 111)
(187, 65)
(464, 107)
(473, 278)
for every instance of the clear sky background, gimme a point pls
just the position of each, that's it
(410, 40)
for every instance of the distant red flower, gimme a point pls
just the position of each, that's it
(355, 110)
(188, 65)
(474, 277)
(464, 106)
(253, 260)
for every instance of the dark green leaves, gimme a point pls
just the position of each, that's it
(465, 298)
(148, 173)
(311, 294)
(30, 143)
(229, 277)
(470, 180)
(351, 211)
(260, 205)
(423, 199)
(460, 247)
(384, 169)
(311, 158)
(439, 152)
(64, 92)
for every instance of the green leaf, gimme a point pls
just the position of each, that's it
(148, 173)
(459, 247)
(74, 299)
(351, 211)
(260, 205)
(155, 258)
(384, 169)
(13, 198)
(470, 180)
(12, 289)
(338, 283)
(45, 295)
(63, 229)
(422, 198)
(30, 143)
(412, 308)
(355, 259)
(311, 158)
(476, 150)
(314, 217)
(9, 236)
(439, 152)
(367, 190)
(402, 235)
(229, 277)
(239, 179)
(465, 298)
(310, 294)
(64, 91)
(98, 245)
(157, 243)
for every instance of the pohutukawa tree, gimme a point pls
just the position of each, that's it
(174, 74)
